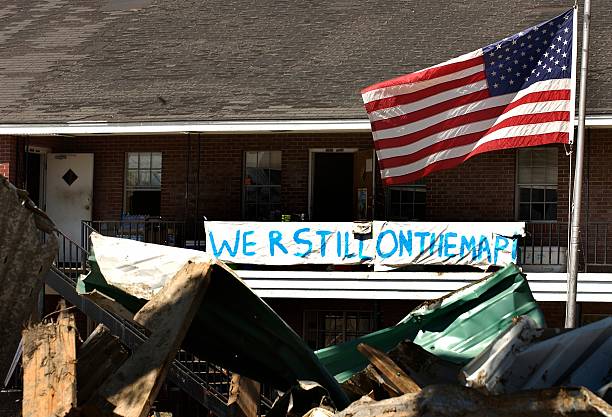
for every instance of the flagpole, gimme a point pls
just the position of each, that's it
(572, 277)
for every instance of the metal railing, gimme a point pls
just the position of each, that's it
(545, 246)
(205, 382)
(161, 232)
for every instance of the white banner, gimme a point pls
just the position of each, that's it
(477, 244)
(288, 243)
(383, 244)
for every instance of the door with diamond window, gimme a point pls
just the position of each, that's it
(70, 193)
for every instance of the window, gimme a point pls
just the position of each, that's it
(262, 183)
(537, 184)
(326, 328)
(406, 202)
(143, 183)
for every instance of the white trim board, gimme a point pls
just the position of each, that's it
(214, 127)
(592, 287)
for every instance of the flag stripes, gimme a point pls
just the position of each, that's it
(505, 95)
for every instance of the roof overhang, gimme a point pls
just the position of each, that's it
(205, 127)
(215, 127)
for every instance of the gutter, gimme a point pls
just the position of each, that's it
(211, 127)
(215, 127)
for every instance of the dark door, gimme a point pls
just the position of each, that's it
(332, 191)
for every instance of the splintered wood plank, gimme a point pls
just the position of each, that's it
(243, 397)
(393, 376)
(49, 368)
(131, 390)
(100, 356)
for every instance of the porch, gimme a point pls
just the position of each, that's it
(542, 249)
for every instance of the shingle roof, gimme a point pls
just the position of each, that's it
(66, 60)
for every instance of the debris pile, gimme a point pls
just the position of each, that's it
(483, 349)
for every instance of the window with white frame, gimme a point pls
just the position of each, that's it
(537, 184)
(406, 202)
(143, 183)
(262, 185)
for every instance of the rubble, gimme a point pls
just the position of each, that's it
(528, 357)
(483, 349)
(458, 401)
(456, 327)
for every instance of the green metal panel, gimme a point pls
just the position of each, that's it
(456, 327)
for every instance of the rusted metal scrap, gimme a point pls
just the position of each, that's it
(458, 401)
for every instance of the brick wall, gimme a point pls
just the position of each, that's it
(483, 188)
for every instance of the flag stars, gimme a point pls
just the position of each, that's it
(511, 82)
(502, 77)
(494, 73)
(559, 38)
(495, 85)
(498, 46)
(549, 69)
(563, 68)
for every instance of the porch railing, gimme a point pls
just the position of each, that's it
(161, 232)
(542, 249)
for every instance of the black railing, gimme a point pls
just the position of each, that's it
(161, 232)
(206, 382)
(543, 248)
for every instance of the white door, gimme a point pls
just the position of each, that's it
(69, 194)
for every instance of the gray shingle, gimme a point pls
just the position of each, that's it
(63, 60)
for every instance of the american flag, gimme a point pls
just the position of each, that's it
(513, 93)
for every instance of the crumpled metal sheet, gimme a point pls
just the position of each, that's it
(527, 357)
(456, 327)
(457, 401)
(24, 259)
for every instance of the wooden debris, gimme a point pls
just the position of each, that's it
(49, 368)
(99, 357)
(244, 397)
(457, 401)
(131, 390)
(395, 379)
